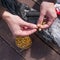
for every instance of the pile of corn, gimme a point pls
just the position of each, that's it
(23, 42)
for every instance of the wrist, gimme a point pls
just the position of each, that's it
(6, 15)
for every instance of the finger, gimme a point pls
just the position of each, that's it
(29, 25)
(25, 33)
(51, 17)
(52, 14)
(49, 23)
(29, 32)
(41, 18)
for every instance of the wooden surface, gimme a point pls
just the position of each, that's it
(7, 48)
(38, 50)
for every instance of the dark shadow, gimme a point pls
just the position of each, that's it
(7, 53)
(39, 49)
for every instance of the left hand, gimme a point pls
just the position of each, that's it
(46, 9)
(17, 25)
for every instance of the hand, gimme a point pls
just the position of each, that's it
(19, 27)
(46, 9)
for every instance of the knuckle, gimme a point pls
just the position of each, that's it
(54, 16)
(42, 14)
(16, 34)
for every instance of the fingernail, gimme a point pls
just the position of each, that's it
(38, 25)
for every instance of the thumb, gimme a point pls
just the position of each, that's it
(41, 18)
(29, 25)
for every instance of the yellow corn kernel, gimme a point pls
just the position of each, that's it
(23, 42)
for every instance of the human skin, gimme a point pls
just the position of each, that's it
(46, 9)
(17, 25)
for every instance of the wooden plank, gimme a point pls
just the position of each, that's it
(40, 51)
(7, 53)
(6, 34)
(51, 44)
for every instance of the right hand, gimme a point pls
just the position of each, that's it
(18, 26)
(47, 9)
